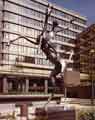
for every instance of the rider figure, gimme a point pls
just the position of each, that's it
(46, 44)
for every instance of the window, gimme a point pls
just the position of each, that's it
(39, 61)
(6, 37)
(80, 21)
(29, 59)
(32, 32)
(14, 58)
(42, 7)
(12, 7)
(13, 49)
(35, 51)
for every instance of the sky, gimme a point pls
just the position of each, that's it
(84, 7)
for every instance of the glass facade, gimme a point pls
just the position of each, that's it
(24, 17)
(23, 60)
(22, 20)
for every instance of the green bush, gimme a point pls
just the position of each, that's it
(88, 115)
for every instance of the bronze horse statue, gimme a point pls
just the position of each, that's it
(43, 40)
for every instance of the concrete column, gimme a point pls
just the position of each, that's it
(5, 85)
(19, 87)
(0, 86)
(46, 86)
(23, 87)
(10, 85)
(65, 92)
(27, 86)
(24, 111)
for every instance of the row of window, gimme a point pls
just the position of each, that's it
(64, 39)
(24, 43)
(26, 59)
(30, 4)
(67, 24)
(29, 12)
(22, 47)
(33, 32)
(31, 52)
(22, 10)
(71, 33)
(22, 20)
(33, 4)
(35, 23)
(70, 17)
(21, 29)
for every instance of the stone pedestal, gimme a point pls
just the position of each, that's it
(72, 78)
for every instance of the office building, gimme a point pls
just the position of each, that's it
(23, 66)
(84, 61)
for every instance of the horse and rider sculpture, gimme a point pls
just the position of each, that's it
(44, 42)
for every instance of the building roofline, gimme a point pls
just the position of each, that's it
(87, 30)
(70, 12)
